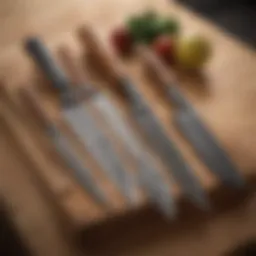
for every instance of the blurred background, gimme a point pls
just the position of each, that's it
(236, 16)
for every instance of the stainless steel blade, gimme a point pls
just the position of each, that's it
(85, 126)
(207, 148)
(157, 189)
(164, 147)
(61, 144)
(81, 173)
(202, 140)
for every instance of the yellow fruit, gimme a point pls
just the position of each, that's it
(193, 52)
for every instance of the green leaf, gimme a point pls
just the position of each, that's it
(169, 26)
(149, 25)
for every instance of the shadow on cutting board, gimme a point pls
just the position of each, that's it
(10, 242)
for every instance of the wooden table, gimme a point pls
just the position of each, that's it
(226, 105)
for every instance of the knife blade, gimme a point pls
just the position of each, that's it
(193, 129)
(63, 147)
(82, 121)
(157, 189)
(159, 141)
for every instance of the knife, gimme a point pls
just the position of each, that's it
(157, 138)
(64, 149)
(157, 189)
(193, 129)
(82, 121)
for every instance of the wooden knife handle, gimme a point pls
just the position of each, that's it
(33, 102)
(155, 65)
(76, 74)
(112, 72)
(166, 78)
(71, 66)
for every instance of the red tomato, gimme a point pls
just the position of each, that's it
(121, 40)
(163, 46)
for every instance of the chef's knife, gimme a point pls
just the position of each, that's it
(61, 144)
(82, 121)
(189, 123)
(159, 141)
(156, 187)
(64, 149)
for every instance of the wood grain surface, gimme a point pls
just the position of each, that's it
(225, 101)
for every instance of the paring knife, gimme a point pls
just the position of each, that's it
(64, 149)
(189, 123)
(82, 122)
(159, 141)
(157, 189)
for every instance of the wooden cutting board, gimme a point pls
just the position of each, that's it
(225, 101)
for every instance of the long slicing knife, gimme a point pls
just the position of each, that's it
(64, 149)
(159, 141)
(157, 189)
(82, 122)
(193, 129)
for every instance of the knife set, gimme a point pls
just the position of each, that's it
(147, 144)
